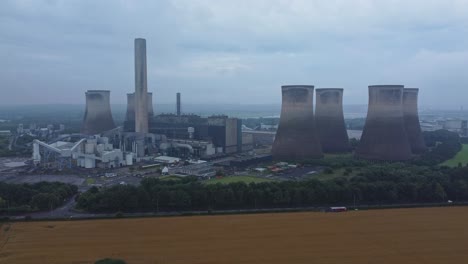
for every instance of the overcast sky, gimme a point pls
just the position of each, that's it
(236, 51)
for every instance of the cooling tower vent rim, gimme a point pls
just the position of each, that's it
(387, 86)
(297, 85)
(134, 93)
(328, 89)
(411, 89)
(98, 91)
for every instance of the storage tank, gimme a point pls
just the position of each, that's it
(384, 136)
(411, 117)
(129, 159)
(98, 115)
(330, 121)
(296, 137)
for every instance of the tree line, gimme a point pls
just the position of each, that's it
(417, 181)
(375, 184)
(34, 197)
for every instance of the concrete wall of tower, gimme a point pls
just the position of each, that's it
(384, 136)
(297, 137)
(330, 122)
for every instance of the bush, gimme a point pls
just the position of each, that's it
(119, 215)
(110, 261)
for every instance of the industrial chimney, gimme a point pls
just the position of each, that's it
(141, 88)
(178, 104)
(130, 114)
(411, 117)
(297, 137)
(98, 116)
(330, 120)
(384, 136)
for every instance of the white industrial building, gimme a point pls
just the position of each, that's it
(86, 153)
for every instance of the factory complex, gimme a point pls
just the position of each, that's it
(392, 131)
(143, 136)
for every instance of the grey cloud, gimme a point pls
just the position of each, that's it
(231, 51)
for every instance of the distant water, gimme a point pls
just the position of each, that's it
(355, 134)
(118, 110)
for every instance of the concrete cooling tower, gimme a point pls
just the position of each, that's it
(411, 117)
(330, 122)
(384, 136)
(130, 114)
(296, 138)
(98, 116)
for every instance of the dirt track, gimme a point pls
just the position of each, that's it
(429, 235)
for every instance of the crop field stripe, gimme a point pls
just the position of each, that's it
(425, 235)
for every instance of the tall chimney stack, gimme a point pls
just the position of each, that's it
(178, 104)
(296, 138)
(141, 88)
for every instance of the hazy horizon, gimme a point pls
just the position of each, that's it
(227, 52)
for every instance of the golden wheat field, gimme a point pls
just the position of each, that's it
(426, 235)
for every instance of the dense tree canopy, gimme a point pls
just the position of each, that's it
(417, 181)
(375, 184)
(38, 196)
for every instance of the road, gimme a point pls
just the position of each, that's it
(67, 211)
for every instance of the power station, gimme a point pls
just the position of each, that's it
(384, 136)
(98, 115)
(297, 137)
(330, 121)
(411, 117)
(391, 132)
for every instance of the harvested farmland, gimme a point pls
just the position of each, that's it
(426, 235)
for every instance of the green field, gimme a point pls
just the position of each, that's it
(231, 179)
(340, 172)
(461, 157)
(169, 178)
(90, 181)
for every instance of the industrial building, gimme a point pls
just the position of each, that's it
(297, 136)
(98, 115)
(87, 153)
(384, 136)
(330, 121)
(222, 132)
(411, 118)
